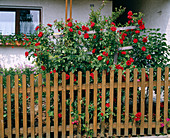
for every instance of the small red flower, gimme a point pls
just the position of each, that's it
(140, 22)
(113, 28)
(27, 97)
(138, 115)
(101, 114)
(40, 34)
(129, 17)
(121, 41)
(133, 66)
(51, 72)
(107, 62)
(130, 13)
(26, 53)
(143, 48)
(107, 105)
(87, 29)
(92, 24)
(92, 75)
(94, 37)
(43, 68)
(37, 28)
(35, 54)
(113, 23)
(142, 27)
(145, 39)
(131, 59)
(123, 52)
(83, 28)
(71, 30)
(49, 25)
(161, 104)
(59, 115)
(79, 32)
(135, 40)
(37, 44)
(70, 24)
(54, 70)
(67, 77)
(128, 63)
(99, 58)
(77, 27)
(94, 50)
(137, 119)
(137, 31)
(86, 35)
(148, 57)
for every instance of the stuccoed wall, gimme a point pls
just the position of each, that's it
(51, 10)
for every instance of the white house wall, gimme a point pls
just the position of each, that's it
(50, 10)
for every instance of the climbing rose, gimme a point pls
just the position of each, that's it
(99, 58)
(119, 67)
(113, 23)
(131, 59)
(43, 68)
(86, 35)
(67, 76)
(26, 53)
(83, 28)
(59, 115)
(140, 22)
(79, 32)
(162, 125)
(87, 29)
(162, 105)
(37, 44)
(167, 119)
(107, 105)
(130, 13)
(35, 54)
(54, 70)
(121, 41)
(135, 40)
(142, 27)
(37, 28)
(101, 114)
(138, 114)
(145, 39)
(123, 52)
(137, 31)
(148, 57)
(70, 24)
(113, 28)
(137, 119)
(94, 50)
(40, 34)
(107, 62)
(94, 37)
(128, 63)
(77, 27)
(49, 24)
(71, 30)
(92, 75)
(92, 24)
(143, 48)
(105, 54)
(129, 17)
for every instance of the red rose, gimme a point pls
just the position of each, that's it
(135, 40)
(37, 44)
(128, 22)
(26, 53)
(94, 37)
(101, 39)
(77, 27)
(133, 66)
(79, 32)
(145, 39)
(142, 27)
(101, 114)
(137, 31)
(37, 28)
(43, 68)
(54, 70)
(99, 58)
(131, 59)
(49, 25)
(113, 28)
(129, 17)
(106, 20)
(137, 119)
(87, 29)
(161, 104)
(92, 24)
(121, 41)
(130, 13)
(119, 67)
(83, 28)
(143, 48)
(113, 23)
(86, 35)
(140, 22)
(70, 24)
(94, 50)
(107, 105)
(132, 21)
(40, 34)
(68, 19)
(35, 54)
(71, 30)
(59, 115)
(92, 75)
(123, 52)
(107, 62)
(148, 57)
(51, 72)
(67, 77)
(128, 63)
(105, 54)
(138, 115)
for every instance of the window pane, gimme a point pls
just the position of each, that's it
(29, 19)
(7, 22)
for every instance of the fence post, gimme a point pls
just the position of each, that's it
(71, 101)
(63, 105)
(1, 108)
(16, 107)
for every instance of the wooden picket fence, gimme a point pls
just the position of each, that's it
(68, 129)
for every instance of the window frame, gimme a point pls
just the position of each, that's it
(17, 18)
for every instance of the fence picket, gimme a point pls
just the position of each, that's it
(127, 102)
(56, 105)
(47, 105)
(63, 105)
(87, 96)
(134, 100)
(111, 99)
(119, 92)
(166, 99)
(79, 103)
(71, 101)
(103, 101)
(32, 113)
(40, 105)
(24, 98)
(1, 108)
(95, 104)
(158, 92)
(150, 109)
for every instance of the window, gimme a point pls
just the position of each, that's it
(15, 20)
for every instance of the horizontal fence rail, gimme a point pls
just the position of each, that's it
(127, 104)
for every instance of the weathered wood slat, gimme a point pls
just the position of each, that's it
(40, 130)
(95, 104)
(103, 101)
(64, 105)
(166, 99)
(32, 112)
(134, 100)
(150, 109)
(111, 99)
(119, 92)
(158, 92)
(1, 108)
(71, 101)
(56, 105)
(127, 102)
